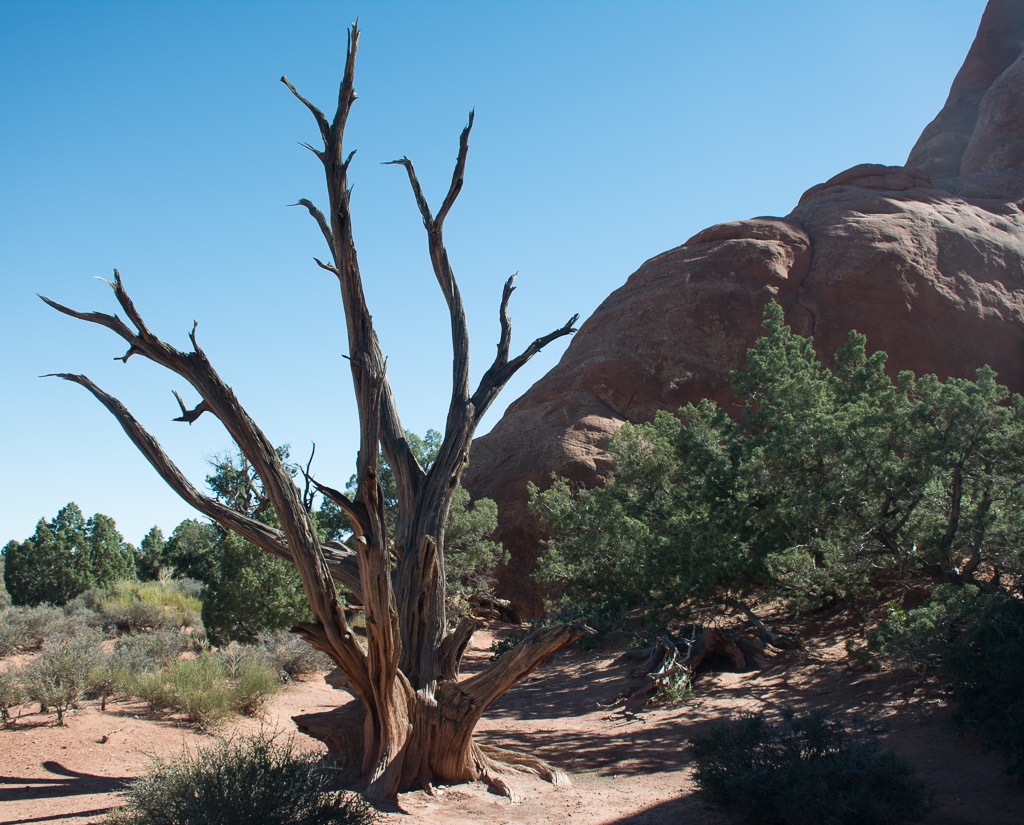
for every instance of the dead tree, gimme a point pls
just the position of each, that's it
(413, 723)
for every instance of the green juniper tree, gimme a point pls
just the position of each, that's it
(152, 555)
(66, 556)
(830, 482)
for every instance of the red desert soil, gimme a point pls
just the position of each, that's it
(625, 768)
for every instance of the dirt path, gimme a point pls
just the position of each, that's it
(625, 769)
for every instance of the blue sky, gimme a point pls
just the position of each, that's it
(155, 137)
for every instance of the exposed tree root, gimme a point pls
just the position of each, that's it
(667, 669)
(524, 763)
(497, 763)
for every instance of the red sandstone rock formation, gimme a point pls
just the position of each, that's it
(927, 260)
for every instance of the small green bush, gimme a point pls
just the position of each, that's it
(204, 690)
(234, 657)
(104, 680)
(247, 781)
(806, 771)
(198, 688)
(151, 688)
(59, 677)
(254, 674)
(123, 671)
(254, 684)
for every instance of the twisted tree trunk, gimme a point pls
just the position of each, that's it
(414, 721)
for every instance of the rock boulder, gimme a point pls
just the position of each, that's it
(927, 260)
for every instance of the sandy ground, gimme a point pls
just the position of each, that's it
(625, 768)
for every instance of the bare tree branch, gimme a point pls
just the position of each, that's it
(329, 267)
(190, 415)
(415, 720)
(486, 686)
(321, 119)
(459, 175)
(341, 559)
(355, 511)
(321, 221)
(499, 373)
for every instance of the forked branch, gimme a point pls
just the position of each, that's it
(336, 227)
(218, 398)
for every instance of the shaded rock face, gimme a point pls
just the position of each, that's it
(926, 260)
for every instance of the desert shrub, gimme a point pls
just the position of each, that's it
(253, 685)
(25, 629)
(203, 689)
(235, 657)
(196, 687)
(152, 651)
(293, 655)
(149, 686)
(181, 686)
(104, 680)
(12, 692)
(975, 641)
(59, 677)
(254, 676)
(921, 636)
(123, 671)
(983, 671)
(132, 607)
(805, 771)
(247, 781)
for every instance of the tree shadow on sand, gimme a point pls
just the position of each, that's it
(63, 782)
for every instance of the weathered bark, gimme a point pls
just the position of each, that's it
(413, 721)
(780, 641)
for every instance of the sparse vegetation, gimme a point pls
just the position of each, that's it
(132, 606)
(293, 655)
(59, 677)
(25, 629)
(975, 642)
(245, 781)
(203, 689)
(805, 770)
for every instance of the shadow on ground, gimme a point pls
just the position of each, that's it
(64, 782)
